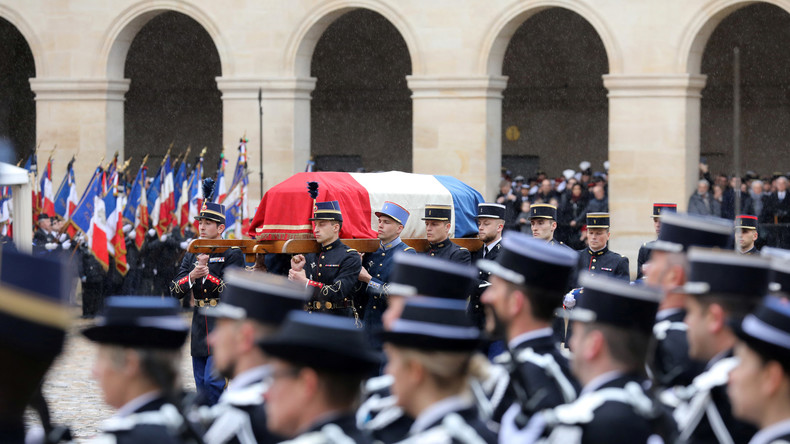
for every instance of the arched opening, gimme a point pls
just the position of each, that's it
(361, 111)
(555, 107)
(17, 101)
(760, 31)
(173, 97)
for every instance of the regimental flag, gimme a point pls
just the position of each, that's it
(66, 199)
(89, 217)
(141, 215)
(179, 181)
(236, 207)
(47, 204)
(137, 191)
(166, 196)
(114, 202)
(221, 191)
(152, 196)
(32, 170)
(195, 195)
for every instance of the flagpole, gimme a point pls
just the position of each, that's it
(260, 136)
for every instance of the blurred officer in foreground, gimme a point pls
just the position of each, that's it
(33, 323)
(528, 280)
(759, 386)
(668, 270)
(318, 365)
(608, 359)
(377, 266)
(722, 286)
(252, 309)
(333, 272)
(137, 366)
(644, 250)
(429, 351)
(597, 258)
(201, 278)
(438, 220)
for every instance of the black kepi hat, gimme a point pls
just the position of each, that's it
(681, 231)
(417, 274)
(323, 342)
(262, 297)
(746, 221)
(525, 260)
(435, 325)
(726, 273)
(329, 210)
(597, 220)
(767, 330)
(544, 211)
(610, 301)
(140, 322)
(490, 211)
(212, 211)
(660, 208)
(438, 212)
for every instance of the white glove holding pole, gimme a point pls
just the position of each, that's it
(66, 245)
(50, 246)
(569, 301)
(152, 232)
(127, 228)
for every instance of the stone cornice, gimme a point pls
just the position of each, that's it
(272, 88)
(67, 90)
(451, 87)
(654, 85)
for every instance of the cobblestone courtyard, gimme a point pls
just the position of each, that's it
(74, 398)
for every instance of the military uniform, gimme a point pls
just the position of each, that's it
(671, 364)
(645, 249)
(747, 222)
(207, 292)
(154, 422)
(488, 251)
(338, 430)
(445, 249)
(604, 261)
(453, 420)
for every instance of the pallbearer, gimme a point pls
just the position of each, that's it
(334, 271)
(597, 258)
(437, 229)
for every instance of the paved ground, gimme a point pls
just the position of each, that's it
(74, 397)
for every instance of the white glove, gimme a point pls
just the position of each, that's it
(63, 237)
(152, 232)
(79, 237)
(127, 228)
(569, 301)
(66, 245)
(132, 235)
(163, 238)
(184, 245)
(50, 246)
(509, 432)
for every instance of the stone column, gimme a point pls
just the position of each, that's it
(83, 117)
(654, 131)
(458, 128)
(286, 126)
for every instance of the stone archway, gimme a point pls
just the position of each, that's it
(555, 106)
(17, 101)
(172, 63)
(361, 112)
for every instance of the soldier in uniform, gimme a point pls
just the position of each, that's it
(377, 266)
(644, 250)
(722, 286)
(543, 221)
(612, 325)
(534, 274)
(203, 275)
(597, 258)
(252, 309)
(429, 351)
(668, 270)
(318, 365)
(490, 223)
(746, 231)
(139, 347)
(33, 323)
(759, 387)
(333, 272)
(437, 230)
(44, 240)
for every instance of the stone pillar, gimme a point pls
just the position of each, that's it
(458, 128)
(82, 117)
(286, 126)
(654, 131)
